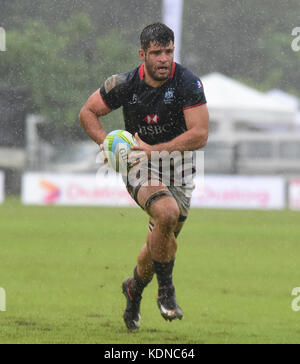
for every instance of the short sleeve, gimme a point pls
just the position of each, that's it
(113, 91)
(192, 92)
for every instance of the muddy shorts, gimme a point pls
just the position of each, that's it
(182, 194)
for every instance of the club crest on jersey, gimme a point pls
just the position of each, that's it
(169, 96)
(134, 99)
(152, 119)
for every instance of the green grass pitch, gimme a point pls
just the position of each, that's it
(62, 268)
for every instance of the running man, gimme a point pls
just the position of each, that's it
(164, 106)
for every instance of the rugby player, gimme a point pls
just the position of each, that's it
(164, 106)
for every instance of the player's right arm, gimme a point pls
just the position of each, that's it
(94, 108)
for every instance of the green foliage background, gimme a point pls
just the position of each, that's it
(63, 51)
(57, 68)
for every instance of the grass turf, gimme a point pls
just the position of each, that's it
(62, 268)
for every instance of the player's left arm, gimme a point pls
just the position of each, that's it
(197, 123)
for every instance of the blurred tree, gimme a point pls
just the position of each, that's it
(58, 68)
(283, 71)
(128, 16)
(249, 40)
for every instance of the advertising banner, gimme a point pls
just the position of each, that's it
(85, 190)
(226, 192)
(239, 192)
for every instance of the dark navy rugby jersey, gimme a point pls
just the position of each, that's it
(156, 114)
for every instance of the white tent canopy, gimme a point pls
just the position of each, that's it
(230, 101)
(284, 98)
(298, 120)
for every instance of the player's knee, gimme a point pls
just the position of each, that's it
(167, 218)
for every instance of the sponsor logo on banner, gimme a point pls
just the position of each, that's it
(86, 190)
(241, 193)
(52, 192)
(294, 194)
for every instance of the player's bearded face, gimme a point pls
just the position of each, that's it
(159, 61)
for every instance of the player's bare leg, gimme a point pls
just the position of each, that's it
(156, 256)
(134, 287)
(145, 267)
(164, 211)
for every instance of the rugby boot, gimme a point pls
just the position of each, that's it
(167, 304)
(132, 315)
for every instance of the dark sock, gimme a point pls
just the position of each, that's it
(164, 273)
(138, 284)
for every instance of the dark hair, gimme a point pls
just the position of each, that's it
(158, 33)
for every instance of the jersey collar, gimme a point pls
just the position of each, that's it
(142, 71)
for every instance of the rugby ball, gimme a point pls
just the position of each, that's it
(116, 146)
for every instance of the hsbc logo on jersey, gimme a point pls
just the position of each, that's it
(152, 119)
